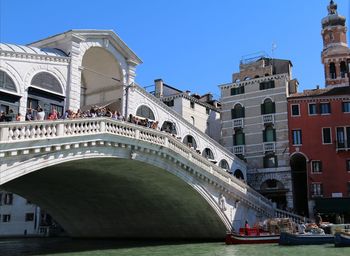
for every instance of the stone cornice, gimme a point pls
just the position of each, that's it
(32, 56)
(254, 81)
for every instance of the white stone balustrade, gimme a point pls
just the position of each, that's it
(238, 123)
(269, 146)
(14, 132)
(268, 119)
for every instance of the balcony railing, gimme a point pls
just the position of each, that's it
(238, 150)
(268, 119)
(269, 146)
(343, 145)
(238, 123)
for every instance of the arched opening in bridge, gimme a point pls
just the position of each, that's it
(169, 127)
(145, 112)
(275, 190)
(119, 198)
(101, 80)
(9, 98)
(45, 92)
(208, 154)
(224, 165)
(190, 141)
(238, 174)
(299, 181)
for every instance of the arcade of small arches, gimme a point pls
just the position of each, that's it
(145, 113)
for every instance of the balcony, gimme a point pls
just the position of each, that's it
(269, 146)
(238, 150)
(238, 123)
(268, 119)
(343, 145)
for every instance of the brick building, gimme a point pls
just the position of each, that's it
(319, 131)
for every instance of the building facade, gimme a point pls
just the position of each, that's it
(319, 124)
(255, 124)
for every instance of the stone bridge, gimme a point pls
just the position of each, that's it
(106, 178)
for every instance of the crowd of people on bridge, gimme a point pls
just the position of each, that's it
(39, 114)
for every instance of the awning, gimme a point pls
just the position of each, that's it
(332, 205)
(99, 105)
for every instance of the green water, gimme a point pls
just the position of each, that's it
(68, 247)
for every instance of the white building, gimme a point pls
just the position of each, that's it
(18, 216)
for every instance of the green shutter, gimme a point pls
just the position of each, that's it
(243, 112)
(243, 135)
(234, 140)
(264, 135)
(233, 114)
(262, 109)
(274, 134)
(273, 107)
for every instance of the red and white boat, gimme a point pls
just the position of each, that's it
(251, 236)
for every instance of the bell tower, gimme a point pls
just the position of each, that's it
(336, 53)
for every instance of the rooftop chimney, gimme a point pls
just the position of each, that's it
(159, 88)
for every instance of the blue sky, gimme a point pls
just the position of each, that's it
(190, 44)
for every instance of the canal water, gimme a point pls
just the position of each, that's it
(70, 247)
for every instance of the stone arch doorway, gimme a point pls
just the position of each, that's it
(275, 191)
(101, 80)
(299, 179)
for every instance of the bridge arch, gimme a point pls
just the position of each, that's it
(190, 141)
(53, 178)
(208, 153)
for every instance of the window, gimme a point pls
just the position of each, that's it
(268, 107)
(326, 136)
(295, 110)
(169, 103)
(312, 109)
(237, 90)
(8, 198)
(343, 137)
(146, 112)
(193, 121)
(297, 140)
(332, 71)
(238, 138)
(6, 82)
(47, 81)
(316, 166)
(6, 218)
(237, 111)
(316, 189)
(270, 161)
(267, 85)
(207, 111)
(191, 104)
(346, 107)
(343, 69)
(269, 134)
(29, 216)
(325, 108)
(348, 165)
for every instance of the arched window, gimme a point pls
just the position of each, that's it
(238, 174)
(238, 138)
(6, 82)
(146, 112)
(237, 111)
(270, 160)
(343, 69)
(190, 141)
(169, 127)
(47, 81)
(224, 165)
(193, 121)
(332, 71)
(208, 154)
(269, 134)
(268, 107)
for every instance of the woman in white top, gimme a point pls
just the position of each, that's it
(41, 114)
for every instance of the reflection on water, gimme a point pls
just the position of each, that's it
(69, 247)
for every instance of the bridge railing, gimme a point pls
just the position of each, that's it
(295, 217)
(42, 130)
